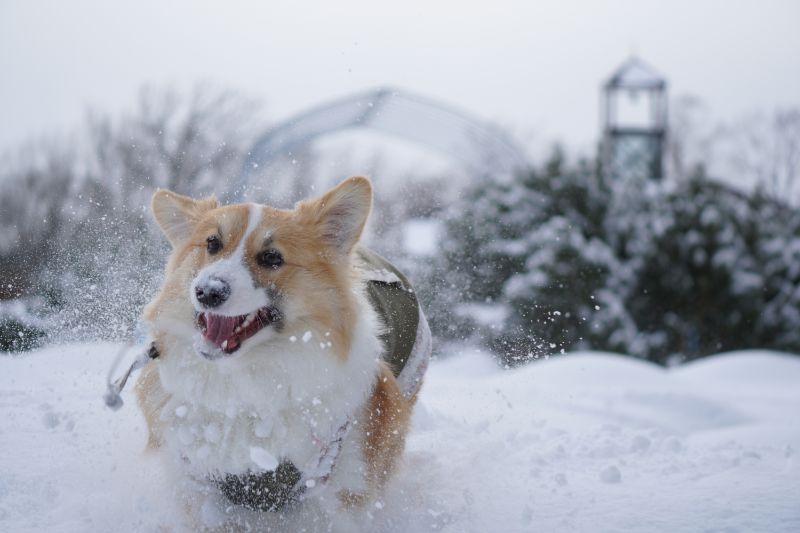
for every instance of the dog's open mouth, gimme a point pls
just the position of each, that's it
(228, 332)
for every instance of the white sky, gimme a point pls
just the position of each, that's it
(533, 66)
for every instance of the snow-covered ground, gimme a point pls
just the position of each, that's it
(585, 442)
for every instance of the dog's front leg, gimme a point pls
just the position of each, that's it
(151, 398)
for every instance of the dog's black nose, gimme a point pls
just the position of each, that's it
(213, 293)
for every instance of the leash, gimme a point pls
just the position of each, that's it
(112, 397)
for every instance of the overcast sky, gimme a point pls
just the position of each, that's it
(531, 65)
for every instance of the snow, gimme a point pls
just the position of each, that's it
(25, 310)
(583, 442)
(263, 458)
(486, 314)
(421, 236)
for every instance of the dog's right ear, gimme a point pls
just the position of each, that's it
(177, 214)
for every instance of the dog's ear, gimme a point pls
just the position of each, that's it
(341, 213)
(177, 215)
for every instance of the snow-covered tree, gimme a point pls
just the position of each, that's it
(557, 295)
(512, 246)
(664, 271)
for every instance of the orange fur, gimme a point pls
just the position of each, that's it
(151, 399)
(387, 418)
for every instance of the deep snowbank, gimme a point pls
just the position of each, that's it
(586, 442)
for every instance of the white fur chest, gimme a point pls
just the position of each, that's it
(272, 402)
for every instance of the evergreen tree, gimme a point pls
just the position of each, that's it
(655, 270)
(695, 287)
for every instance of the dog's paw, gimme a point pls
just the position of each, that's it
(352, 499)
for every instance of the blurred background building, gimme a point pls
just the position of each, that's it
(634, 117)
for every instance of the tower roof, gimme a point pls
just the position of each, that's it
(635, 74)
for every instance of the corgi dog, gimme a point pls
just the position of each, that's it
(275, 381)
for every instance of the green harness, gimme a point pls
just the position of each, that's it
(393, 298)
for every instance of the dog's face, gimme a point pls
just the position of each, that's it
(248, 275)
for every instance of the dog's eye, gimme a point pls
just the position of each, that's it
(213, 244)
(271, 258)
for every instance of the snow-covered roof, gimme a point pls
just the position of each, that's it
(634, 74)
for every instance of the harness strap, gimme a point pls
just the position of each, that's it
(410, 378)
(275, 489)
(319, 470)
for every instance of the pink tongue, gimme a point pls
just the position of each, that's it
(220, 328)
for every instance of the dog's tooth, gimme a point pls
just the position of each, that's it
(249, 319)
(238, 329)
(224, 345)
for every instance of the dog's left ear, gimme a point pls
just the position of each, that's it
(341, 213)
(177, 214)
